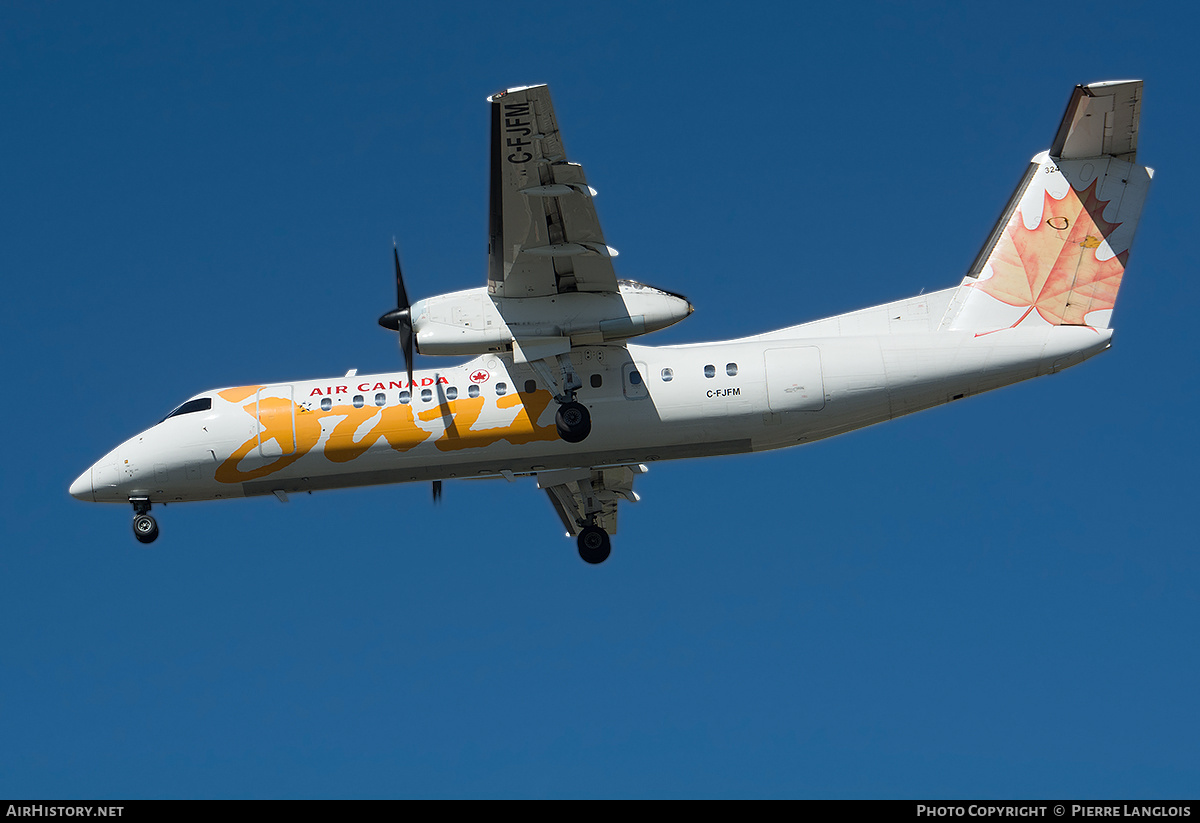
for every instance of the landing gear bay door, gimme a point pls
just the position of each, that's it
(543, 234)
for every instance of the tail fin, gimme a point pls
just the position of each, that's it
(1058, 252)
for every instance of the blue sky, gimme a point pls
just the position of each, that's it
(996, 599)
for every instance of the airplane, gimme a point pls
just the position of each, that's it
(557, 390)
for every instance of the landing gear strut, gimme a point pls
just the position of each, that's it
(145, 528)
(594, 544)
(573, 421)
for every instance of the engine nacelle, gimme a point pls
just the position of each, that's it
(474, 322)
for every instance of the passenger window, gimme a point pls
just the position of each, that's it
(710, 371)
(405, 397)
(597, 381)
(635, 378)
(530, 386)
(426, 395)
(358, 401)
(451, 393)
(667, 375)
(472, 390)
(380, 399)
(731, 369)
(501, 389)
(326, 404)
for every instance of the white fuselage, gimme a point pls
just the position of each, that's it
(491, 417)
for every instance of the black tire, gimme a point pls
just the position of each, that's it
(573, 421)
(594, 545)
(145, 529)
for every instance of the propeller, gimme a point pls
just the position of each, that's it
(399, 319)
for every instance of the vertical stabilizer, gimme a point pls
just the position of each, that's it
(1058, 252)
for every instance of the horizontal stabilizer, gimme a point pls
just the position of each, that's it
(1101, 119)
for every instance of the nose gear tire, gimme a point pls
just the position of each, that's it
(145, 529)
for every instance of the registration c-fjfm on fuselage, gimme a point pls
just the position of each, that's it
(556, 390)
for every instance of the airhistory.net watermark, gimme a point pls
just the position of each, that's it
(42, 810)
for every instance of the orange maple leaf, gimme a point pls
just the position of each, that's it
(1053, 267)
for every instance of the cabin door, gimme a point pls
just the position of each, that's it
(794, 379)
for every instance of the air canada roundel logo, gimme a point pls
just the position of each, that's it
(480, 376)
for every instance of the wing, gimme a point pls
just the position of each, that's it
(543, 234)
(590, 495)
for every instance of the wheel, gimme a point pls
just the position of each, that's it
(594, 545)
(573, 421)
(145, 529)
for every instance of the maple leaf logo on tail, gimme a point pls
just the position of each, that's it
(1053, 269)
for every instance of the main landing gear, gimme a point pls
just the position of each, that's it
(586, 501)
(145, 527)
(573, 421)
(594, 544)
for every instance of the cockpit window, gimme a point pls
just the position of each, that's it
(197, 405)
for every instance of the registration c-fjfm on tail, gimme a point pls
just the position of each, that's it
(557, 389)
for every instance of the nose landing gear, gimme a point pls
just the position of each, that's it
(145, 527)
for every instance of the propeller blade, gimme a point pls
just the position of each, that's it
(406, 345)
(401, 294)
(399, 319)
(437, 491)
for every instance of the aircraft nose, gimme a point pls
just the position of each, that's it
(81, 489)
